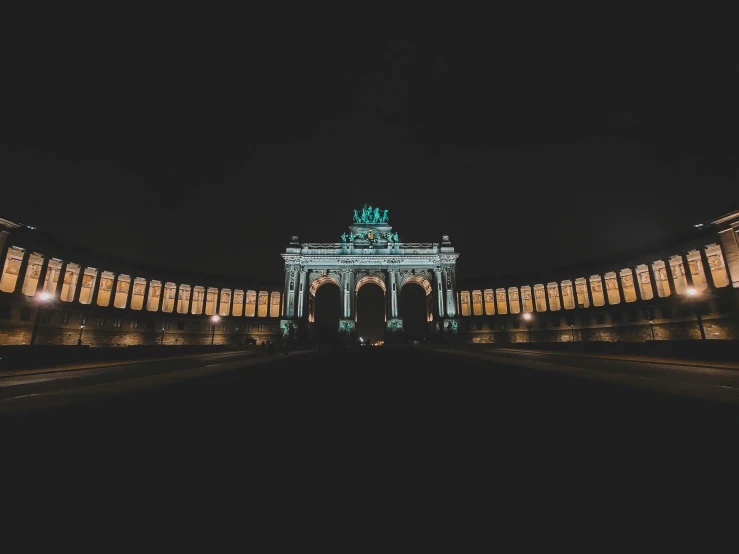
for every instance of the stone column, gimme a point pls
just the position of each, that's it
(95, 287)
(707, 269)
(4, 245)
(78, 286)
(604, 289)
(60, 280)
(347, 293)
(147, 287)
(450, 294)
(189, 300)
(670, 278)
(303, 293)
(129, 294)
(653, 279)
(586, 291)
(729, 243)
(637, 284)
(113, 290)
(620, 287)
(439, 293)
(161, 299)
(392, 284)
(22, 270)
(288, 303)
(42, 275)
(686, 270)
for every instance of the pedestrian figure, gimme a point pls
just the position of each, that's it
(286, 348)
(264, 348)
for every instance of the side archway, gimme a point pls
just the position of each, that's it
(324, 307)
(416, 306)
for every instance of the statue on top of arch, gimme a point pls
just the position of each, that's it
(370, 215)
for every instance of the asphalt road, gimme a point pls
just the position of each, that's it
(390, 425)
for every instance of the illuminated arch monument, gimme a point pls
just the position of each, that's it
(370, 252)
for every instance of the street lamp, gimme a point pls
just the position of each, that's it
(572, 332)
(693, 297)
(215, 319)
(79, 339)
(527, 318)
(43, 299)
(161, 342)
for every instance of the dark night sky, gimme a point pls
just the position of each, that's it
(207, 148)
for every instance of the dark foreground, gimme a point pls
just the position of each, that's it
(391, 429)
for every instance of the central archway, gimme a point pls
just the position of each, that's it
(371, 313)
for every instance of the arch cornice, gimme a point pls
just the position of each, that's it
(321, 280)
(371, 278)
(419, 280)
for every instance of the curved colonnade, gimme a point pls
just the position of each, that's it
(650, 296)
(102, 302)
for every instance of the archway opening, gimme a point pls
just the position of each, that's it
(327, 312)
(413, 302)
(371, 312)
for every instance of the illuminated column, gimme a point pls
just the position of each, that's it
(113, 291)
(439, 292)
(347, 292)
(730, 249)
(291, 279)
(78, 286)
(302, 293)
(95, 287)
(393, 293)
(60, 280)
(4, 245)
(637, 283)
(670, 278)
(707, 269)
(42, 275)
(129, 294)
(147, 286)
(162, 290)
(686, 269)
(620, 287)
(449, 286)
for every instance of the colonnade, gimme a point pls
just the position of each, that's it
(32, 274)
(662, 278)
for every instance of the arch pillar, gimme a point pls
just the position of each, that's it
(302, 293)
(450, 282)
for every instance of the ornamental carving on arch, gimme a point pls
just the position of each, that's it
(596, 286)
(500, 296)
(611, 284)
(644, 277)
(514, 295)
(539, 293)
(553, 292)
(627, 280)
(489, 297)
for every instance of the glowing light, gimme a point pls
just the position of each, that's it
(45, 296)
(692, 291)
(215, 318)
(527, 316)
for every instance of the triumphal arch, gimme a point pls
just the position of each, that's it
(369, 252)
